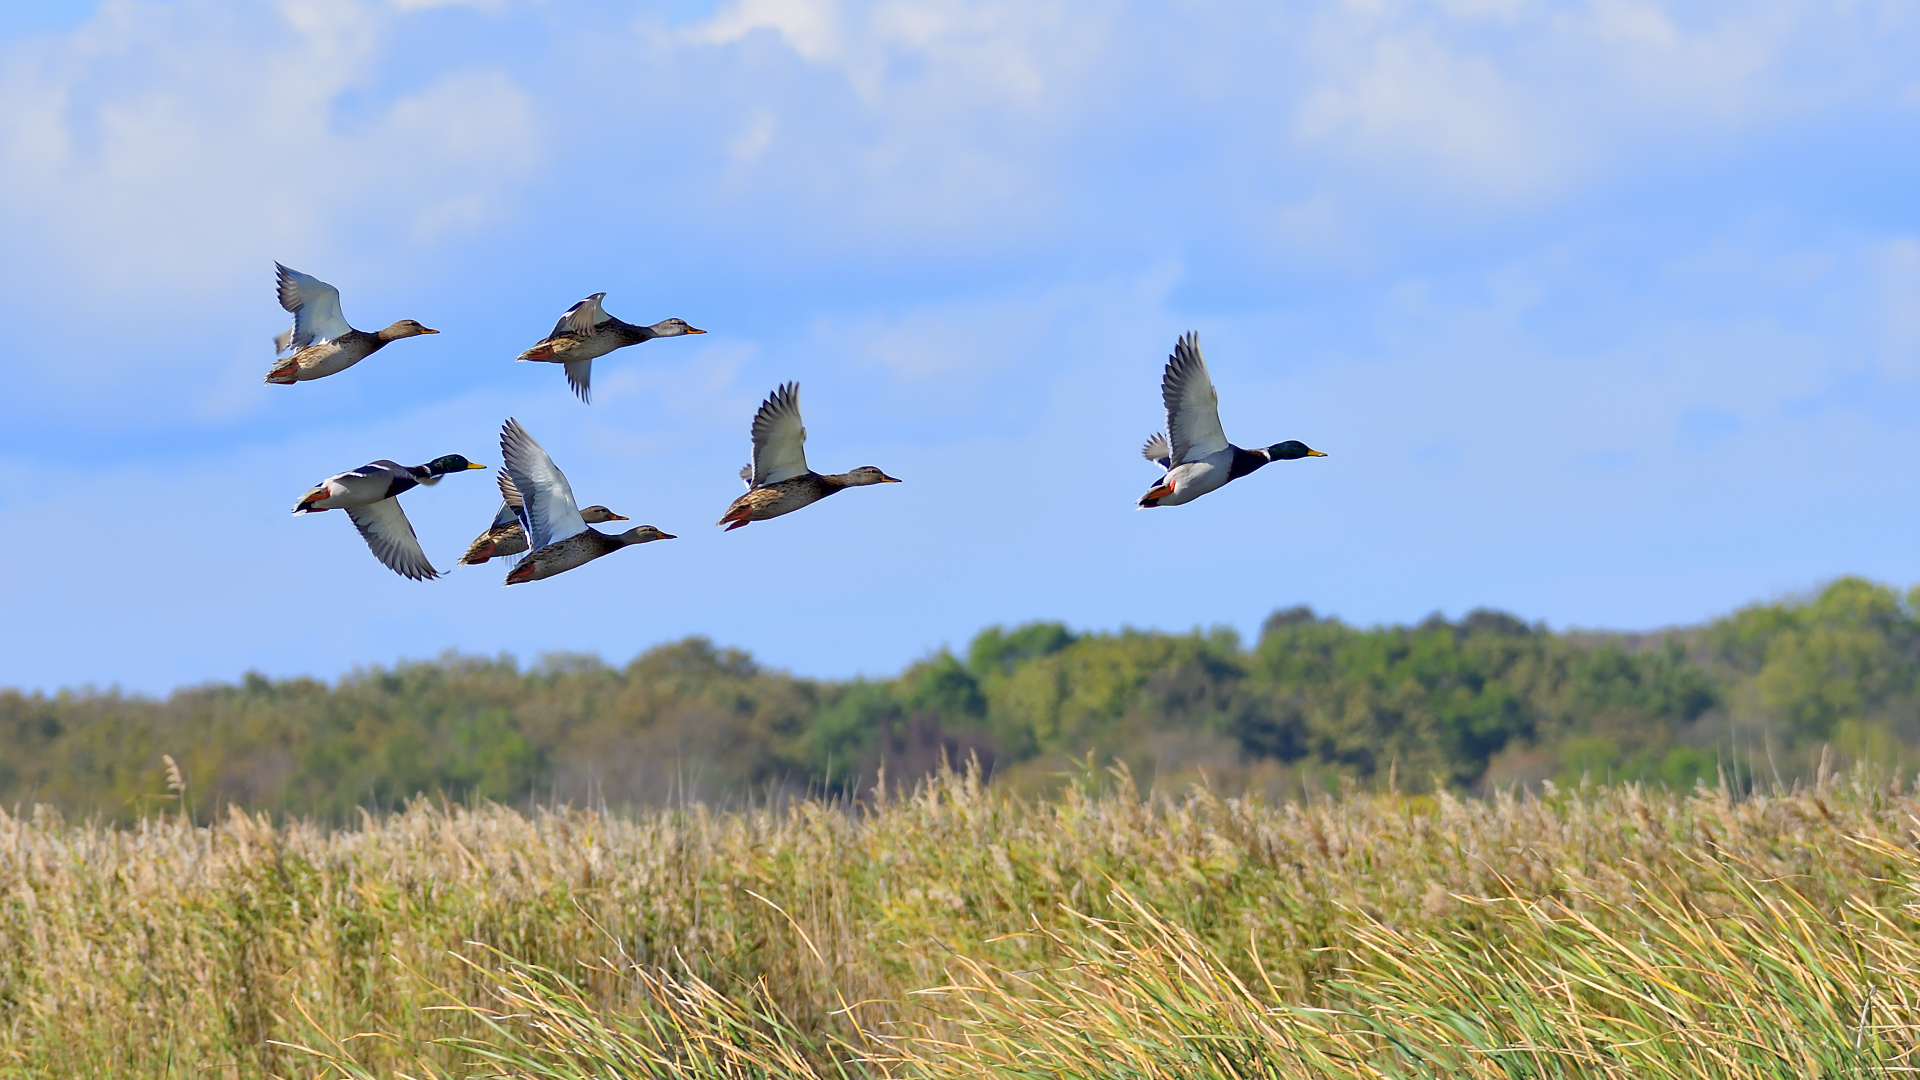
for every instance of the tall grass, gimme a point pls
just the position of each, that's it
(962, 931)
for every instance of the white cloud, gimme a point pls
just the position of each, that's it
(1412, 100)
(481, 5)
(1492, 101)
(808, 27)
(478, 123)
(165, 151)
(162, 154)
(753, 140)
(1644, 25)
(996, 48)
(163, 136)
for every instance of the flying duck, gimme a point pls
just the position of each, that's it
(321, 340)
(586, 331)
(556, 531)
(369, 495)
(506, 536)
(778, 481)
(1198, 458)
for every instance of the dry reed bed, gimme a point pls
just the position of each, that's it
(961, 930)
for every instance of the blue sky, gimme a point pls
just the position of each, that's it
(1608, 313)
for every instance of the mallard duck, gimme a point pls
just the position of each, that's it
(1199, 459)
(321, 340)
(586, 331)
(556, 531)
(369, 495)
(506, 536)
(778, 481)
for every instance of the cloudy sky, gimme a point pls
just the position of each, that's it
(1607, 312)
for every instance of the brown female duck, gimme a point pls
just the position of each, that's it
(506, 536)
(779, 481)
(321, 340)
(586, 331)
(556, 531)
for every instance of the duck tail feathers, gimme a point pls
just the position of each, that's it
(1158, 450)
(1154, 495)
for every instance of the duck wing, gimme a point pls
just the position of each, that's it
(1157, 451)
(509, 500)
(582, 317)
(576, 323)
(779, 442)
(1193, 409)
(580, 378)
(547, 510)
(389, 535)
(377, 480)
(315, 306)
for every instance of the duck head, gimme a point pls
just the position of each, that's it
(441, 466)
(642, 534)
(1291, 450)
(673, 328)
(404, 328)
(599, 515)
(866, 474)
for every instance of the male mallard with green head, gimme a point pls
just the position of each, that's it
(1199, 459)
(370, 496)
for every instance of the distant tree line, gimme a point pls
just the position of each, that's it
(1481, 702)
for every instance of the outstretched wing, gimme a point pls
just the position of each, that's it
(1157, 451)
(746, 475)
(547, 508)
(582, 317)
(315, 306)
(779, 442)
(1193, 409)
(509, 500)
(388, 533)
(580, 378)
(508, 493)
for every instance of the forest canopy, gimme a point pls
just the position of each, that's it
(1482, 702)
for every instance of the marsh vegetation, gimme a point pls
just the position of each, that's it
(963, 930)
